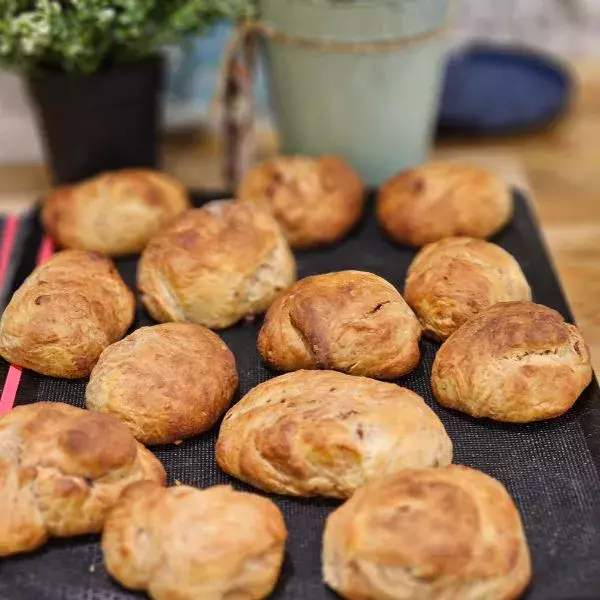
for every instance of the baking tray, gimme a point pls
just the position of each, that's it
(551, 468)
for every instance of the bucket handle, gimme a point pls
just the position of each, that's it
(233, 104)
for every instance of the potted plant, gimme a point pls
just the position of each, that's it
(94, 71)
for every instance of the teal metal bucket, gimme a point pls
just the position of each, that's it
(374, 103)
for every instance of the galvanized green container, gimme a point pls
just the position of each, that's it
(376, 105)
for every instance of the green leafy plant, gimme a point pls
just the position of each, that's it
(87, 35)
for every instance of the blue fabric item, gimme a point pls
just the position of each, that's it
(194, 70)
(501, 90)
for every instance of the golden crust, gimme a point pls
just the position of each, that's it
(61, 469)
(312, 433)
(215, 265)
(115, 213)
(452, 280)
(439, 200)
(515, 362)
(428, 534)
(349, 321)
(65, 314)
(186, 543)
(166, 382)
(316, 201)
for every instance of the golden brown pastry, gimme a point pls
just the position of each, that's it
(452, 280)
(439, 200)
(316, 201)
(188, 544)
(215, 265)
(65, 313)
(323, 433)
(61, 469)
(515, 362)
(427, 534)
(166, 382)
(114, 213)
(350, 321)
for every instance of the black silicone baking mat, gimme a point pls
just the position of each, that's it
(551, 468)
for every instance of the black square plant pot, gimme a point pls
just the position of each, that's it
(98, 122)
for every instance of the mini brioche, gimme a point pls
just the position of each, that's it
(515, 362)
(188, 544)
(427, 534)
(215, 265)
(439, 200)
(166, 383)
(316, 201)
(349, 321)
(452, 280)
(115, 213)
(65, 314)
(61, 469)
(323, 433)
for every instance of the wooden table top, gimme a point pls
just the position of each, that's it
(560, 167)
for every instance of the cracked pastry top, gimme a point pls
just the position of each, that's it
(452, 280)
(65, 314)
(516, 362)
(443, 199)
(115, 213)
(324, 433)
(166, 382)
(428, 534)
(350, 321)
(316, 201)
(189, 544)
(61, 470)
(215, 265)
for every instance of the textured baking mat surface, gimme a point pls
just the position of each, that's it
(551, 468)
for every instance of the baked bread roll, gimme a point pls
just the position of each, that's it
(427, 534)
(66, 312)
(61, 469)
(316, 201)
(114, 213)
(215, 265)
(515, 362)
(440, 200)
(452, 280)
(185, 543)
(166, 382)
(323, 433)
(350, 321)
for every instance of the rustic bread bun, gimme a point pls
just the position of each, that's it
(188, 544)
(115, 213)
(215, 265)
(166, 383)
(427, 534)
(316, 201)
(515, 362)
(452, 280)
(440, 200)
(66, 312)
(322, 433)
(61, 469)
(350, 321)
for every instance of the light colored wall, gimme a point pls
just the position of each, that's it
(19, 142)
(563, 26)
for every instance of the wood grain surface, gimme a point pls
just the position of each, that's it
(560, 167)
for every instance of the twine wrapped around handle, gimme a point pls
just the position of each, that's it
(234, 99)
(233, 104)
